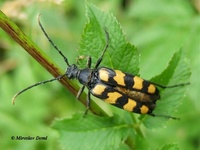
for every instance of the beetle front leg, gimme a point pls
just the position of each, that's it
(89, 61)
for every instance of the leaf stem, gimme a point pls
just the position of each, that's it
(16, 34)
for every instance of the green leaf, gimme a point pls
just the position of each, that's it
(170, 146)
(79, 132)
(177, 72)
(91, 132)
(120, 54)
(110, 133)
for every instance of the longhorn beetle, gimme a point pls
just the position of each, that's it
(115, 87)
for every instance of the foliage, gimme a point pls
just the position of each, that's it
(157, 34)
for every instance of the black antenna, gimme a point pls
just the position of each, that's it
(34, 85)
(47, 36)
(46, 81)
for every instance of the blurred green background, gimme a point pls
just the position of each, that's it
(158, 28)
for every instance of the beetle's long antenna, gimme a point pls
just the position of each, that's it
(34, 85)
(47, 36)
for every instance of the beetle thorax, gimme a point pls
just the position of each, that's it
(83, 75)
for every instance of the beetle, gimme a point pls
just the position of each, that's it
(123, 90)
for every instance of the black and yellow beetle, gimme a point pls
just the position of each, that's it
(115, 87)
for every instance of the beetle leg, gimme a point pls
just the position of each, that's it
(89, 61)
(87, 103)
(105, 48)
(80, 92)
